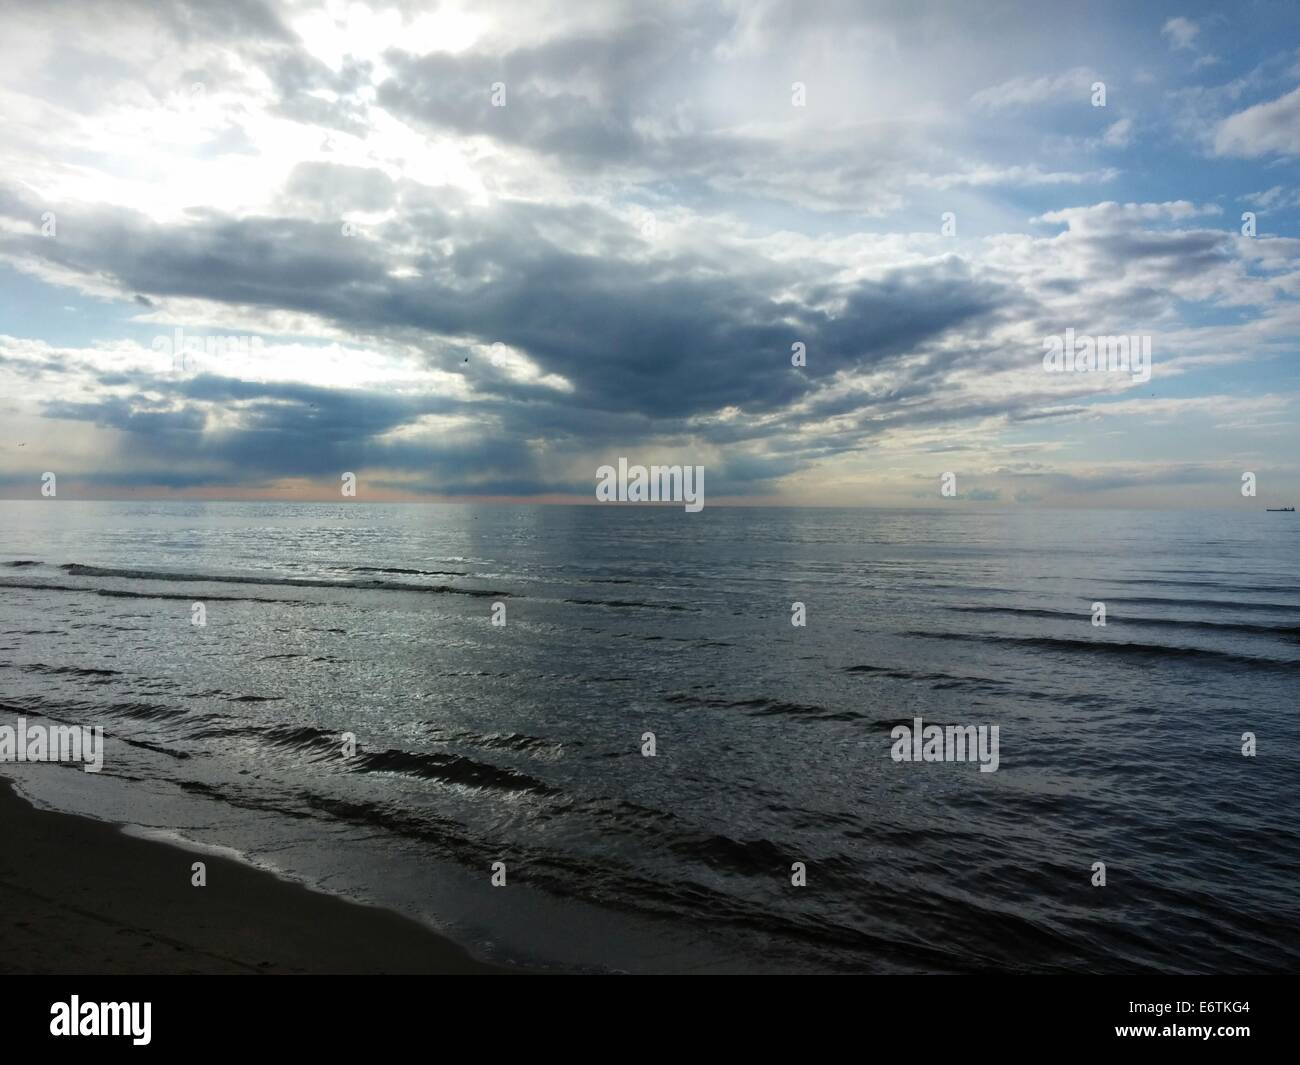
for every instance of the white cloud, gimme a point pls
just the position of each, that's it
(1023, 91)
(1273, 199)
(1112, 215)
(1180, 31)
(1267, 128)
(1119, 134)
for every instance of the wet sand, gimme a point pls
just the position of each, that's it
(81, 897)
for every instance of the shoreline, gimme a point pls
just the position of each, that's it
(82, 897)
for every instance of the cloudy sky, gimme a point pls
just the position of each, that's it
(476, 250)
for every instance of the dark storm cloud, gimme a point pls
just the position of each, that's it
(135, 415)
(660, 339)
(573, 96)
(1166, 257)
(624, 106)
(648, 343)
(34, 369)
(654, 343)
(290, 429)
(672, 342)
(231, 20)
(297, 75)
(268, 262)
(1053, 412)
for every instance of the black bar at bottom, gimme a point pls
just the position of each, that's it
(303, 1014)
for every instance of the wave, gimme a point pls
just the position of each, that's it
(77, 569)
(1289, 631)
(1214, 604)
(114, 593)
(634, 604)
(409, 572)
(953, 679)
(179, 755)
(980, 685)
(1122, 650)
(142, 711)
(893, 723)
(302, 739)
(751, 857)
(763, 707)
(299, 738)
(509, 741)
(447, 768)
(70, 671)
(1235, 586)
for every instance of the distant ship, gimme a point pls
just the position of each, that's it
(1280, 510)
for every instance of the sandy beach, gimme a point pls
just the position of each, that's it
(81, 897)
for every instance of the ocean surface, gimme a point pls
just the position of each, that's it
(522, 743)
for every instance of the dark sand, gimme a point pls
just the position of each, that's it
(80, 897)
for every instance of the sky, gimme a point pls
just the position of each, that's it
(479, 250)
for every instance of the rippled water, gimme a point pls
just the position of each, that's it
(522, 743)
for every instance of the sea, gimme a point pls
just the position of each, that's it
(592, 738)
